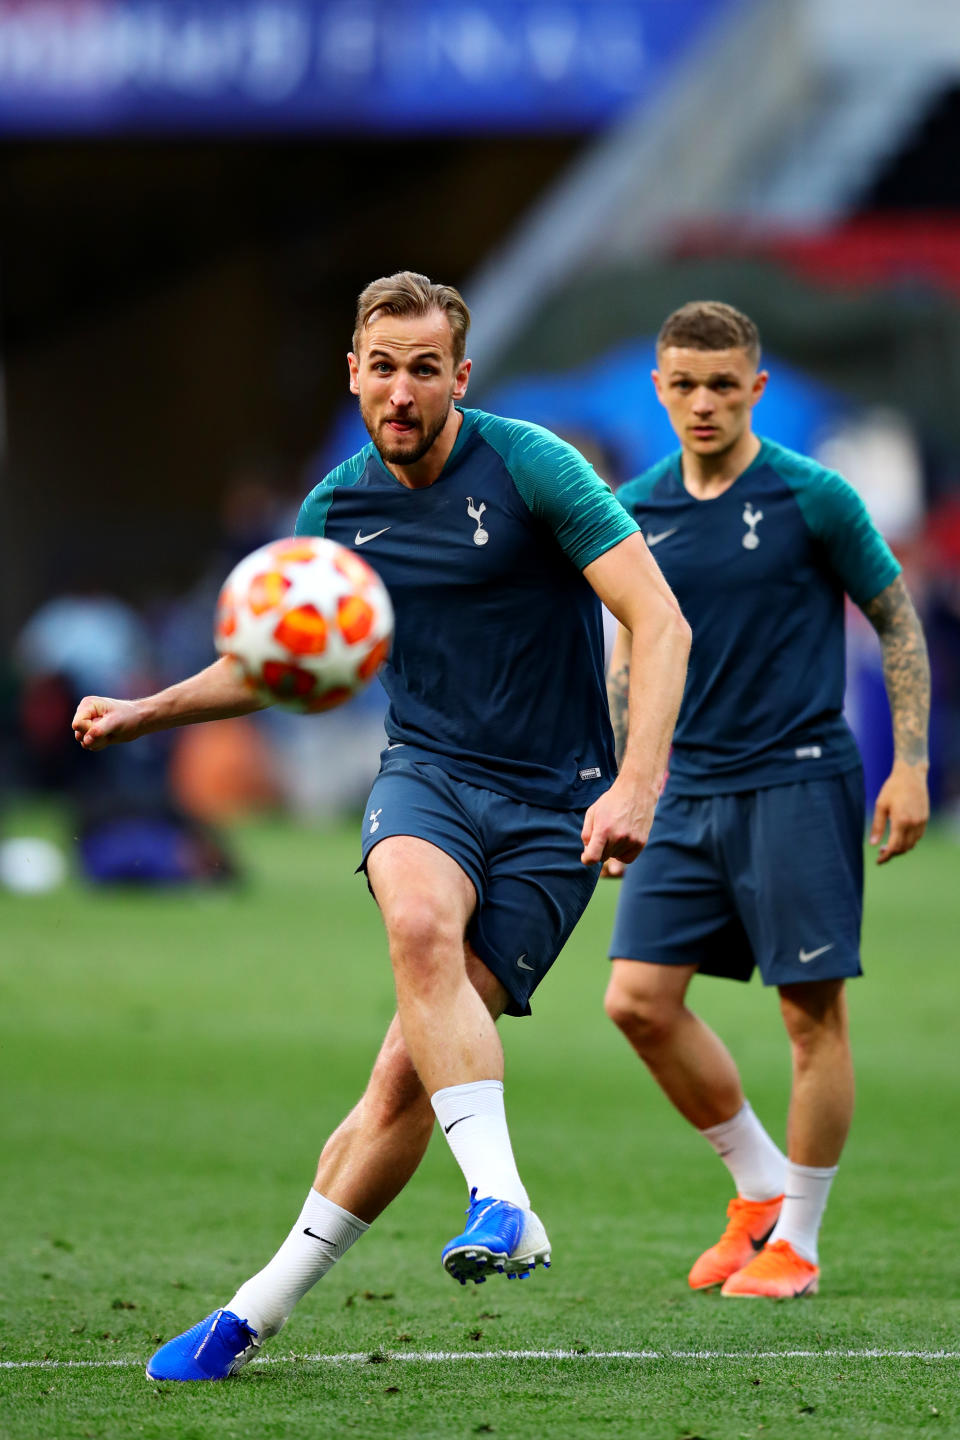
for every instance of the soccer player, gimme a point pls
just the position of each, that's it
(498, 795)
(756, 854)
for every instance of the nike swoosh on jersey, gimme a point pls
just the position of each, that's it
(521, 962)
(805, 956)
(660, 535)
(362, 539)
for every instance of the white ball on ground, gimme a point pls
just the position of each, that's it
(30, 865)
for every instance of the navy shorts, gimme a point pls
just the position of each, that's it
(524, 862)
(772, 878)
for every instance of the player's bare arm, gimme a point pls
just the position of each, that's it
(903, 802)
(618, 691)
(630, 584)
(216, 693)
(618, 700)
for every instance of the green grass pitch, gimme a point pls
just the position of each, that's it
(171, 1064)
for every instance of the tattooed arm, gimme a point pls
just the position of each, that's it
(618, 690)
(618, 699)
(903, 800)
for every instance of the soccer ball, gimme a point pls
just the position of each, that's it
(307, 621)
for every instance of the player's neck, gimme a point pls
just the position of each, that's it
(707, 476)
(426, 470)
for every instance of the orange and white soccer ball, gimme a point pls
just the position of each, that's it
(307, 621)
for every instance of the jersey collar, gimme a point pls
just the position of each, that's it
(758, 461)
(466, 428)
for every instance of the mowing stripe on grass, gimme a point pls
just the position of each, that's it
(432, 1357)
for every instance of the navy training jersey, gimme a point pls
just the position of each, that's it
(760, 574)
(496, 672)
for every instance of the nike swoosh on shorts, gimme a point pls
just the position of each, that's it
(805, 956)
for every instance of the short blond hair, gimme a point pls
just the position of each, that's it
(710, 325)
(409, 294)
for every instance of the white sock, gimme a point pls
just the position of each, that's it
(322, 1234)
(754, 1161)
(805, 1200)
(475, 1124)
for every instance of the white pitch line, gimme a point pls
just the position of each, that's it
(432, 1357)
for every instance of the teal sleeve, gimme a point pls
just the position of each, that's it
(313, 512)
(312, 519)
(634, 494)
(858, 552)
(631, 495)
(560, 488)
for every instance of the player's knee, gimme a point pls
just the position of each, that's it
(420, 935)
(814, 1019)
(645, 1019)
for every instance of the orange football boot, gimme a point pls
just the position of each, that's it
(778, 1273)
(749, 1223)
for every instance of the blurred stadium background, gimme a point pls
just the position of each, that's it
(192, 193)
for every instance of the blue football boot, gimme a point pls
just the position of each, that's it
(216, 1348)
(499, 1238)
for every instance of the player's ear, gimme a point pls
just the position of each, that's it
(657, 385)
(759, 385)
(461, 379)
(353, 365)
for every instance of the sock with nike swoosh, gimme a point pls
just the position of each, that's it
(805, 1199)
(323, 1233)
(475, 1124)
(755, 1162)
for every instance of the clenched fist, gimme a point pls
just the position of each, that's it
(100, 721)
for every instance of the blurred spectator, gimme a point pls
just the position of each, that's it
(78, 643)
(254, 509)
(96, 642)
(125, 840)
(942, 619)
(877, 451)
(224, 770)
(327, 763)
(129, 828)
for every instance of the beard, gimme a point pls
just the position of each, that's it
(406, 449)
